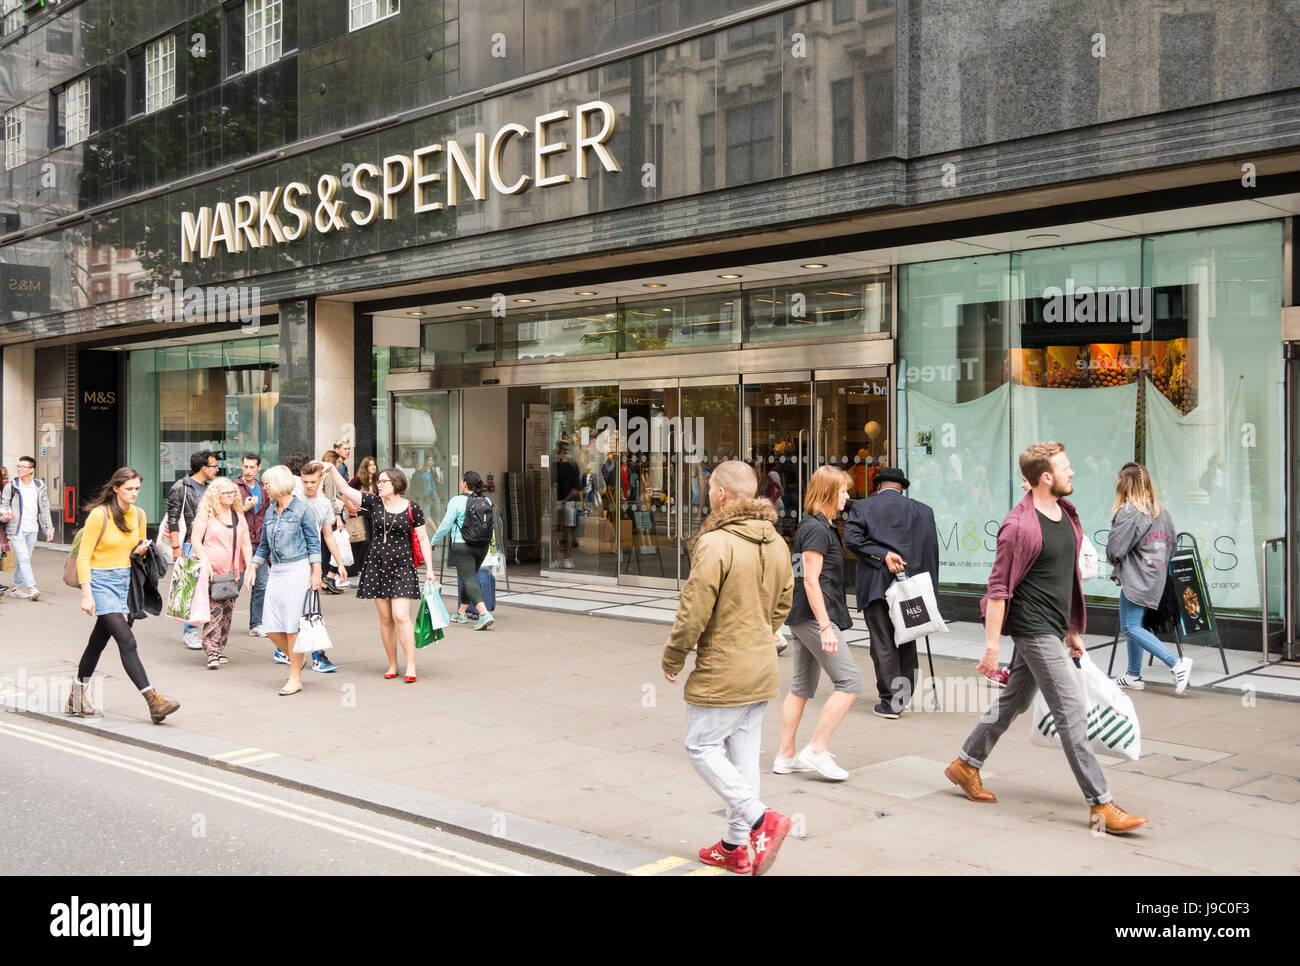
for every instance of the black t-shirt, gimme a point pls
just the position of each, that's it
(568, 477)
(817, 533)
(1040, 603)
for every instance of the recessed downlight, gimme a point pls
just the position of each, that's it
(525, 301)
(654, 285)
(416, 314)
(1043, 236)
(730, 275)
(584, 293)
(467, 308)
(814, 265)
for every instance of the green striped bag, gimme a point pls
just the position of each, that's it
(1113, 728)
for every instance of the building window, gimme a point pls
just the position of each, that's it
(160, 73)
(751, 143)
(842, 118)
(15, 139)
(13, 16)
(708, 151)
(842, 11)
(750, 34)
(263, 23)
(365, 12)
(76, 108)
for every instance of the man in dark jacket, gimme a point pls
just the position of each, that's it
(255, 504)
(889, 533)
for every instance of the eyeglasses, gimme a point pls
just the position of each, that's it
(382, 480)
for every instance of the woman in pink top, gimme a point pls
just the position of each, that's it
(220, 540)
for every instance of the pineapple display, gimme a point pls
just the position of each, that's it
(1067, 366)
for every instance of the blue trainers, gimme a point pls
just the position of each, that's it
(319, 662)
(459, 618)
(484, 622)
(279, 657)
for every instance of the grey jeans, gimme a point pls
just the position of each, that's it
(724, 746)
(1043, 663)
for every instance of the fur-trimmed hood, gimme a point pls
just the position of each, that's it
(745, 518)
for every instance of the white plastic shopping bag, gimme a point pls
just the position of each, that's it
(1113, 728)
(342, 541)
(913, 608)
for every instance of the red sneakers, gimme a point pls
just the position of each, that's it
(737, 860)
(767, 838)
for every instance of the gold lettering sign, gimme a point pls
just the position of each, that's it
(438, 176)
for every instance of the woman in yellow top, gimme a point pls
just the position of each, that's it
(115, 529)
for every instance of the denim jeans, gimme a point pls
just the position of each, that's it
(258, 597)
(22, 544)
(1139, 638)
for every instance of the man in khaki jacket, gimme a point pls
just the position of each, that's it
(731, 607)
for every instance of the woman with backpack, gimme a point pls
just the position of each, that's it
(1139, 546)
(397, 528)
(468, 521)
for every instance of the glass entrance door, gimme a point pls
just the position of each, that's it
(710, 434)
(778, 443)
(649, 524)
(426, 447)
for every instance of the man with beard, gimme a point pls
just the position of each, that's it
(1035, 596)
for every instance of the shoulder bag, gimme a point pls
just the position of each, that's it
(70, 565)
(416, 554)
(226, 586)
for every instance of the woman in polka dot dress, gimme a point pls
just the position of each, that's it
(389, 577)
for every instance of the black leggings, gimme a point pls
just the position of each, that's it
(467, 558)
(116, 627)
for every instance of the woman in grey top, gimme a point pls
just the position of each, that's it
(1139, 546)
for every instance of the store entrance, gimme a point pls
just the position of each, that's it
(629, 464)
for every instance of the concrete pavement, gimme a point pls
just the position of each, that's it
(558, 728)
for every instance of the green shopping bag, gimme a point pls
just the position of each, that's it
(433, 617)
(184, 586)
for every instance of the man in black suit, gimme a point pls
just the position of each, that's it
(889, 533)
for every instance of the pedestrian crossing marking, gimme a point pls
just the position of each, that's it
(237, 753)
(658, 866)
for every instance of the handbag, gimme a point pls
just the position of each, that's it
(1113, 727)
(312, 635)
(226, 586)
(913, 609)
(1088, 562)
(355, 525)
(70, 565)
(416, 553)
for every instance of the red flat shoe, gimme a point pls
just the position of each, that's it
(410, 679)
(390, 675)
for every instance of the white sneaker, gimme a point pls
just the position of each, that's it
(568, 564)
(1126, 683)
(784, 766)
(345, 583)
(824, 764)
(1182, 672)
(20, 593)
(33, 592)
(257, 631)
(193, 640)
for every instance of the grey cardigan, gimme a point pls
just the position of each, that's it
(11, 500)
(1138, 548)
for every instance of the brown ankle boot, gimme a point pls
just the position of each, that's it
(1113, 819)
(78, 703)
(159, 707)
(967, 777)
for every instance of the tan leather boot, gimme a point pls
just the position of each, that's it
(159, 707)
(78, 703)
(967, 777)
(1113, 819)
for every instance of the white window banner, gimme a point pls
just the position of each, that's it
(1098, 429)
(1208, 490)
(956, 456)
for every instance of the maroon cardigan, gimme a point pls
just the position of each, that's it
(1020, 541)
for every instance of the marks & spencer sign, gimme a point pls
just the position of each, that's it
(436, 175)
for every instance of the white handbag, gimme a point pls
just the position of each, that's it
(1113, 727)
(312, 636)
(1088, 563)
(913, 608)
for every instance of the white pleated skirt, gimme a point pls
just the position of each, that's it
(286, 590)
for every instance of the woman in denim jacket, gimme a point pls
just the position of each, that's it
(291, 544)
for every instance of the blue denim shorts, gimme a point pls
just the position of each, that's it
(109, 589)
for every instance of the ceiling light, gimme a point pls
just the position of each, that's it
(730, 275)
(814, 265)
(653, 285)
(415, 313)
(467, 308)
(584, 293)
(1043, 236)
(665, 310)
(525, 301)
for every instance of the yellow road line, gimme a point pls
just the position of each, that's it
(233, 763)
(709, 870)
(248, 797)
(659, 865)
(223, 755)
